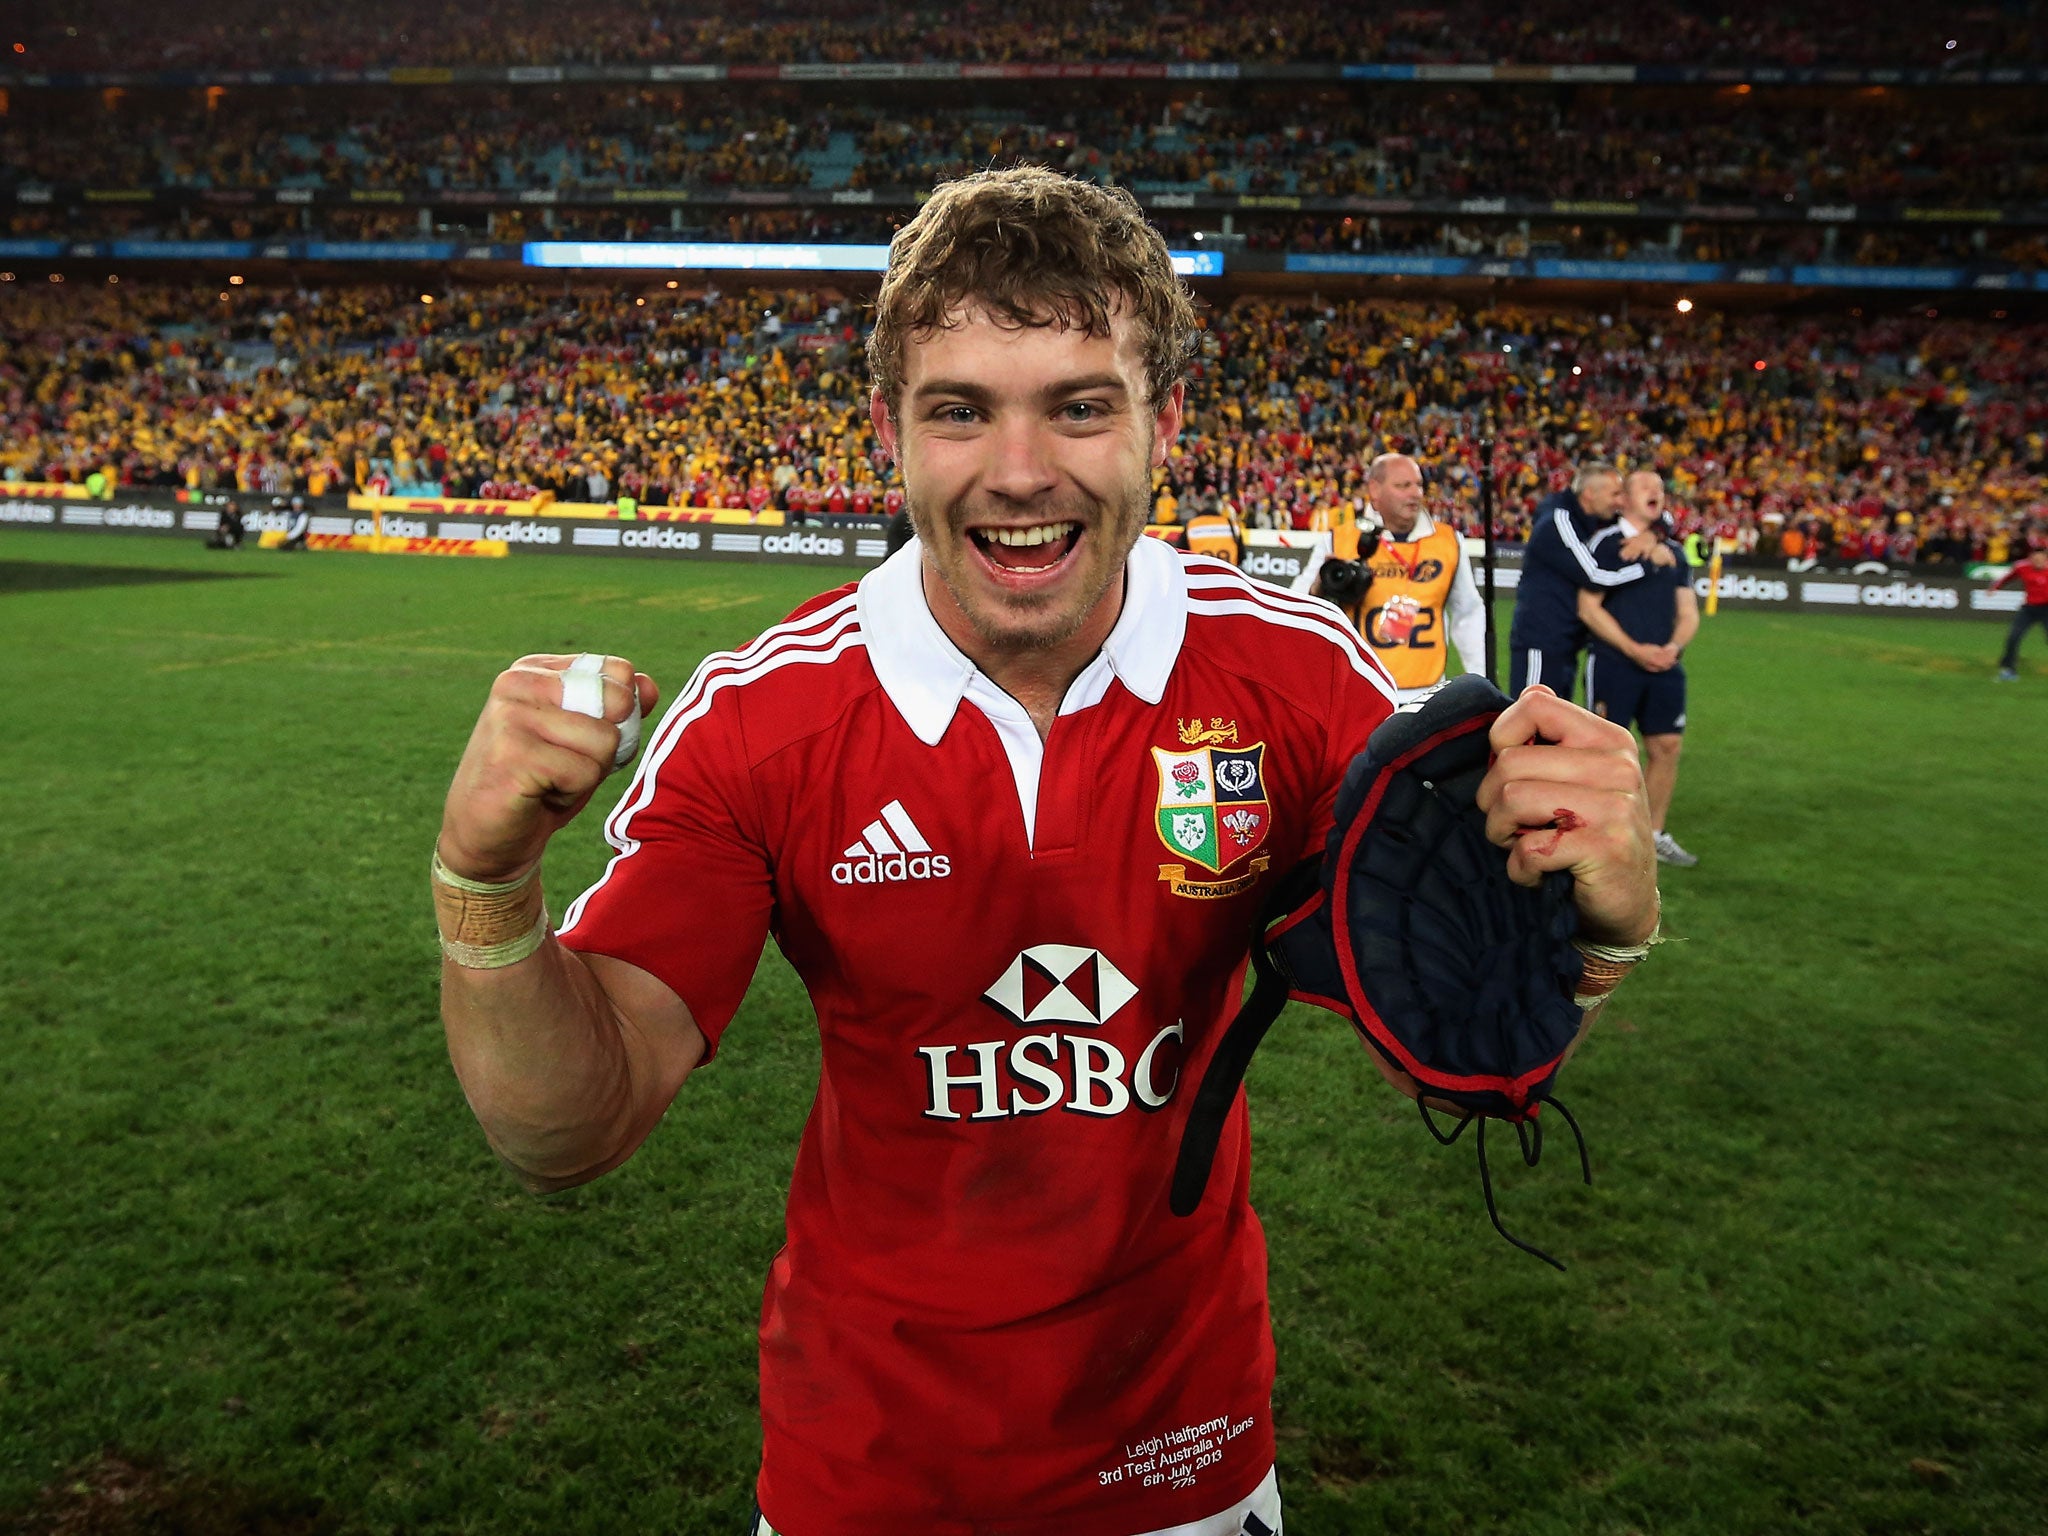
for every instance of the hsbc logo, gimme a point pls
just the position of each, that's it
(1060, 984)
(1084, 1074)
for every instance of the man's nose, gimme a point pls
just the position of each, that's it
(1020, 464)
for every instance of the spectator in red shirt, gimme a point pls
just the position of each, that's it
(2033, 575)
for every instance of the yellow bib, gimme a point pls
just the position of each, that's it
(1211, 534)
(1402, 618)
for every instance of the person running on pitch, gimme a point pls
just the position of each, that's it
(2033, 576)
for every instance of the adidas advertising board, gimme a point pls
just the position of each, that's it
(1795, 588)
(1276, 565)
(1745, 588)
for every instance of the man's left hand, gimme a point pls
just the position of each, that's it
(1638, 546)
(1566, 792)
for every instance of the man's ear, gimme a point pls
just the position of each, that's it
(885, 425)
(1166, 424)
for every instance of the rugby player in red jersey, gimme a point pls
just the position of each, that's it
(1062, 763)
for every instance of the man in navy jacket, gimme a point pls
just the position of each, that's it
(1546, 636)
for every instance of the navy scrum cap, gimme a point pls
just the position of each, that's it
(1459, 980)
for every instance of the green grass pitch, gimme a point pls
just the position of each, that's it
(252, 1242)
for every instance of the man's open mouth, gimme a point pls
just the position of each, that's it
(1026, 551)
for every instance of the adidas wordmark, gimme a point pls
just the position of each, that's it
(890, 848)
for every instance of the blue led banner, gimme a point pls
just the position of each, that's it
(722, 256)
(707, 256)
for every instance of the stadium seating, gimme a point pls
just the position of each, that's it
(249, 34)
(1687, 146)
(1831, 428)
(1864, 176)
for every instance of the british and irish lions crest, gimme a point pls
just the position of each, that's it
(1213, 812)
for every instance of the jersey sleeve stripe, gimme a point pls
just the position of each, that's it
(829, 620)
(1237, 585)
(1220, 578)
(694, 703)
(1584, 556)
(1362, 662)
(713, 674)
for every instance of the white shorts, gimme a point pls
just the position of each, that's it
(1258, 1515)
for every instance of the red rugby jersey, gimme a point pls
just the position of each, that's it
(2031, 577)
(985, 1320)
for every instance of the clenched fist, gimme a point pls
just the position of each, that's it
(534, 760)
(1566, 792)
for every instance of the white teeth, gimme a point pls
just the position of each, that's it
(1021, 538)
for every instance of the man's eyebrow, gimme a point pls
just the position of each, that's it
(959, 389)
(981, 394)
(1106, 383)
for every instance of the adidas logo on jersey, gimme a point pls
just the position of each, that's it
(890, 848)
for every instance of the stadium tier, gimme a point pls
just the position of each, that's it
(95, 35)
(1831, 180)
(1921, 438)
(1310, 155)
(1711, 148)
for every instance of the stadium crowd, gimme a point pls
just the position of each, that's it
(251, 34)
(1685, 146)
(1926, 437)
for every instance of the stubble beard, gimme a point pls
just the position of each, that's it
(1109, 531)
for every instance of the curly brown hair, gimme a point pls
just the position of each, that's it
(1034, 248)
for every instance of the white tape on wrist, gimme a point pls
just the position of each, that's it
(583, 694)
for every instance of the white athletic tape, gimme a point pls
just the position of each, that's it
(583, 694)
(583, 687)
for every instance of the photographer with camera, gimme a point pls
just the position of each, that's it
(1403, 580)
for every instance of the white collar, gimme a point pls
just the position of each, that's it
(926, 675)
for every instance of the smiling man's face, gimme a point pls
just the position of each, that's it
(1026, 454)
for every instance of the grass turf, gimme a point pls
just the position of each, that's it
(252, 1240)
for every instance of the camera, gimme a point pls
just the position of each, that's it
(1344, 582)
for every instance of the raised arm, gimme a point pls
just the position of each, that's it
(567, 1060)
